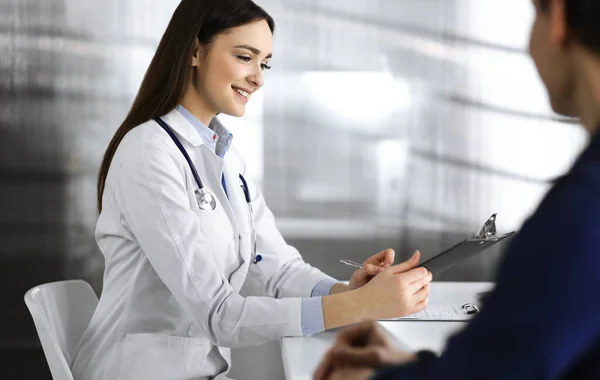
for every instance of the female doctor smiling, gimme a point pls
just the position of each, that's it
(183, 230)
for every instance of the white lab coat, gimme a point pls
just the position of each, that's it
(171, 300)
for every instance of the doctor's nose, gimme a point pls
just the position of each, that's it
(257, 79)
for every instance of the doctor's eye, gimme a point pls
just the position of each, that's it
(245, 58)
(265, 66)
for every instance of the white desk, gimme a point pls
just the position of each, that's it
(302, 355)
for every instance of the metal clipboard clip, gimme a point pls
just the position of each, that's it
(470, 308)
(466, 249)
(488, 231)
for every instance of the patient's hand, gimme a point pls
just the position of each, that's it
(358, 350)
(351, 373)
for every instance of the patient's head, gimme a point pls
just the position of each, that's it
(565, 40)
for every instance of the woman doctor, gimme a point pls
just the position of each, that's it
(183, 229)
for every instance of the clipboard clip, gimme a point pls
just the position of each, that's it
(470, 308)
(488, 230)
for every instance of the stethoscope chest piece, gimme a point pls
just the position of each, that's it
(206, 201)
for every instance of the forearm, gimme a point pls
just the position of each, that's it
(294, 278)
(343, 309)
(313, 319)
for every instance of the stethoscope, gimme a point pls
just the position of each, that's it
(206, 201)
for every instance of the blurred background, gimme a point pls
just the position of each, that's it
(383, 123)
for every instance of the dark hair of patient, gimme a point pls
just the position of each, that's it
(583, 20)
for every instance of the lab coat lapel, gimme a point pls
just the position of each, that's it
(214, 167)
(240, 211)
(208, 165)
(238, 204)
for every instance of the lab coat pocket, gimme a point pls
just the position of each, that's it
(160, 356)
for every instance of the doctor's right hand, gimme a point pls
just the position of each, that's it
(397, 291)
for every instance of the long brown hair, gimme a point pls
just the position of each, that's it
(170, 71)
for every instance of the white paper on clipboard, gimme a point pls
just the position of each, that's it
(444, 312)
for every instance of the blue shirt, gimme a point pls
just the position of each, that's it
(543, 319)
(219, 141)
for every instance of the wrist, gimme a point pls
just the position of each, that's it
(343, 309)
(338, 288)
(362, 304)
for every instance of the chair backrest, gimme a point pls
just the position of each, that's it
(61, 312)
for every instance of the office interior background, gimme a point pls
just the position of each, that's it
(383, 123)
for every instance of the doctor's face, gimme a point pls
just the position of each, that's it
(232, 69)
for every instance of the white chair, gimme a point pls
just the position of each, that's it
(61, 312)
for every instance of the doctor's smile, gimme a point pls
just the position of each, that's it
(243, 95)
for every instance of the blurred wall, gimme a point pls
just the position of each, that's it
(384, 123)
(406, 124)
(69, 70)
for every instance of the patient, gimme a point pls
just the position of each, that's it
(543, 319)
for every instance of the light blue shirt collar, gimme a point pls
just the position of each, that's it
(217, 137)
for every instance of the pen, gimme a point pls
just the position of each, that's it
(351, 263)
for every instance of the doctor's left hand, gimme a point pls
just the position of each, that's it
(371, 267)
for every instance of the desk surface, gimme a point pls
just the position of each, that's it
(302, 355)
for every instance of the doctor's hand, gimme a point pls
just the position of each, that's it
(371, 267)
(397, 291)
(357, 349)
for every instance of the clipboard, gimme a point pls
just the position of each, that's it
(466, 249)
